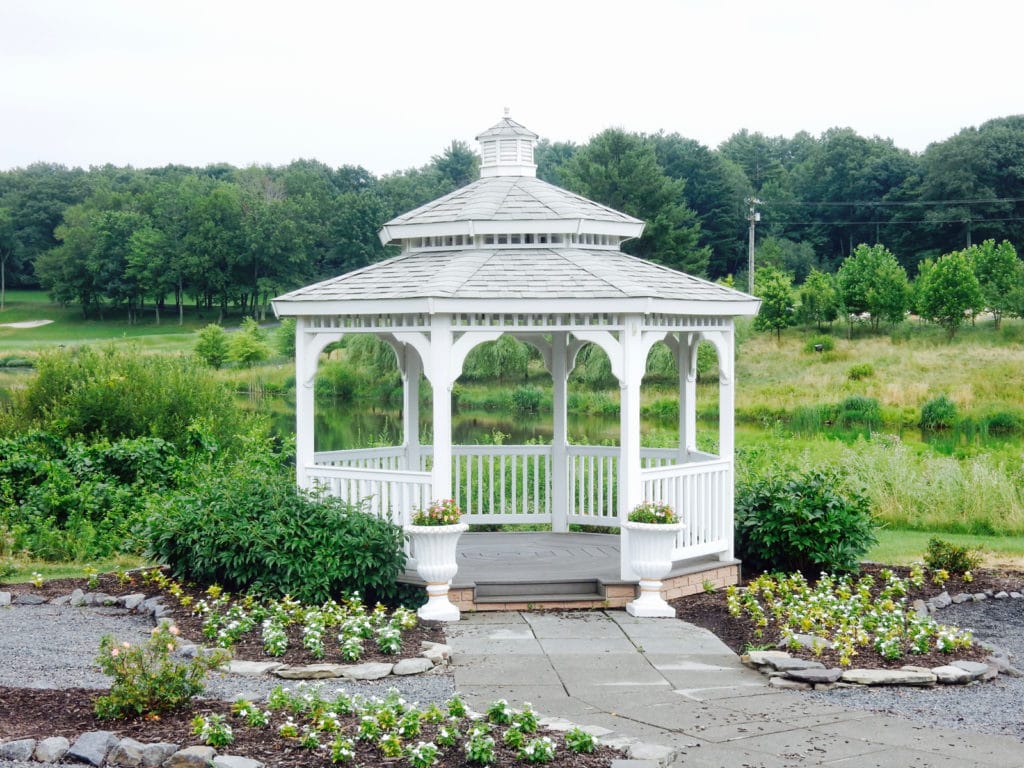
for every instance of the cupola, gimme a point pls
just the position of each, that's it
(506, 149)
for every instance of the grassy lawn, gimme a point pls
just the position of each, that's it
(905, 547)
(69, 327)
(26, 568)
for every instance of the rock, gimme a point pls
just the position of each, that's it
(234, 761)
(51, 750)
(1001, 595)
(1016, 595)
(788, 664)
(373, 670)
(154, 755)
(128, 752)
(191, 757)
(20, 750)
(99, 598)
(920, 607)
(979, 596)
(950, 675)
(61, 601)
(941, 601)
(559, 724)
(150, 604)
(189, 650)
(414, 666)
(975, 669)
(253, 668)
(815, 676)
(131, 602)
(1003, 665)
(29, 600)
(438, 653)
(77, 598)
(808, 642)
(92, 747)
(760, 658)
(312, 671)
(5, 598)
(784, 683)
(887, 677)
(963, 597)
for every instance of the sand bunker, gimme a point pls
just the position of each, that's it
(26, 324)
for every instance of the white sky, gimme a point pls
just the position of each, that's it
(386, 84)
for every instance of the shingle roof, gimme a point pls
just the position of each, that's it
(510, 198)
(507, 127)
(534, 273)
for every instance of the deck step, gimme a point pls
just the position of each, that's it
(539, 591)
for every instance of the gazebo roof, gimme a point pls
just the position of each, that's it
(500, 275)
(491, 204)
(506, 242)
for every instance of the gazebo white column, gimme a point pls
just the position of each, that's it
(631, 371)
(411, 371)
(559, 432)
(306, 358)
(441, 377)
(726, 421)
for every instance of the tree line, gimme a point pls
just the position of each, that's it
(114, 239)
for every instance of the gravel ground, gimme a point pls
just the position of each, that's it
(993, 707)
(45, 646)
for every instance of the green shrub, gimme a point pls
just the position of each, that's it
(1004, 422)
(938, 413)
(950, 557)
(249, 528)
(246, 346)
(806, 522)
(858, 410)
(526, 399)
(336, 380)
(212, 347)
(146, 680)
(284, 338)
(121, 393)
(662, 409)
(861, 371)
(827, 343)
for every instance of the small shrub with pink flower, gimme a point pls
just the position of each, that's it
(146, 680)
(443, 512)
(655, 512)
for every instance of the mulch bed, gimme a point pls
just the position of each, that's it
(709, 610)
(36, 713)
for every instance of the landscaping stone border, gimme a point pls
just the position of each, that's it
(788, 672)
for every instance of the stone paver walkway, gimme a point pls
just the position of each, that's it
(674, 693)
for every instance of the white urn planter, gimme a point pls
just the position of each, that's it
(650, 555)
(434, 548)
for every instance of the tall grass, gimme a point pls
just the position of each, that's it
(982, 494)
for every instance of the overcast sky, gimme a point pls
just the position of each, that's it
(386, 85)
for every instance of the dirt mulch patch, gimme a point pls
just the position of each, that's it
(709, 610)
(37, 713)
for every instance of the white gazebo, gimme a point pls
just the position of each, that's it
(511, 254)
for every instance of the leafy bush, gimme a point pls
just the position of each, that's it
(77, 500)
(861, 371)
(526, 399)
(1004, 422)
(247, 346)
(947, 556)
(938, 413)
(146, 680)
(118, 393)
(858, 410)
(248, 527)
(827, 344)
(212, 347)
(284, 337)
(806, 522)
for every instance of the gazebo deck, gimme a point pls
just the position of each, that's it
(541, 570)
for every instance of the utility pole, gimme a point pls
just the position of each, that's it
(753, 217)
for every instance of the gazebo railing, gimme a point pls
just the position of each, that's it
(700, 492)
(512, 484)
